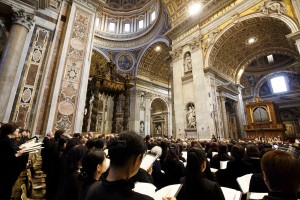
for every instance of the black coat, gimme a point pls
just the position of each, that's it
(203, 189)
(114, 190)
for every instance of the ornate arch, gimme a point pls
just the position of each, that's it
(221, 36)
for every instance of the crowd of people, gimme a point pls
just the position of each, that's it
(107, 166)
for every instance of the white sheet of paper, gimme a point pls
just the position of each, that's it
(244, 182)
(255, 195)
(231, 194)
(147, 161)
(223, 164)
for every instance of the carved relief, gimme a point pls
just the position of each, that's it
(273, 6)
(195, 43)
(67, 101)
(30, 82)
(176, 53)
(210, 40)
(23, 18)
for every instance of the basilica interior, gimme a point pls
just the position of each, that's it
(167, 68)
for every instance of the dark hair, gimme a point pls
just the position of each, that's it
(74, 157)
(238, 152)
(127, 145)
(58, 134)
(91, 160)
(99, 143)
(282, 171)
(172, 153)
(8, 128)
(252, 151)
(195, 158)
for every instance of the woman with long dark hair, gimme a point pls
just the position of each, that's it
(195, 186)
(93, 165)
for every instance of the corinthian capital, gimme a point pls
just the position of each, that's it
(22, 18)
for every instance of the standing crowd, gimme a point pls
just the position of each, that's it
(107, 167)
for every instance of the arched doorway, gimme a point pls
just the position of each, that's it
(159, 118)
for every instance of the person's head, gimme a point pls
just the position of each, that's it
(126, 152)
(94, 163)
(156, 151)
(74, 158)
(223, 149)
(173, 152)
(90, 135)
(50, 135)
(238, 152)
(252, 151)
(58, 134)
(196, 163)
(9, 129)
(281, 171)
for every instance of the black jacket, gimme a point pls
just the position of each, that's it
(203, 189)
(114, 190)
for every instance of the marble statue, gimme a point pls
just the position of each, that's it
(272, 6)
(191, 117)
(187, 62)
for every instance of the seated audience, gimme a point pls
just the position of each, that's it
(221, 156)
(195, 186)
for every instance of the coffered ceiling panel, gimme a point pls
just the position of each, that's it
(155, 65)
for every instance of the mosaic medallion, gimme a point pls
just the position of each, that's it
(125, 62)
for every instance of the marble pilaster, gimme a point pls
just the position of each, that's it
(224, 117)
(69, 93)
(22, 22)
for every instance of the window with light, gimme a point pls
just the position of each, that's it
(97, 22)
(153, 16)
(112, 27)
(127, 28)
(278, 84)
(141, 24)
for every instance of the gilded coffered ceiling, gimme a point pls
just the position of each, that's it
(158, 105)
(178, 9)
(155, 65)
(231, 51)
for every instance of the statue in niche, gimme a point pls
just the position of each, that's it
(272, 6)
(142, 127)
(187, 62)
(158, 130)
(191, 116)
(142, 100)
